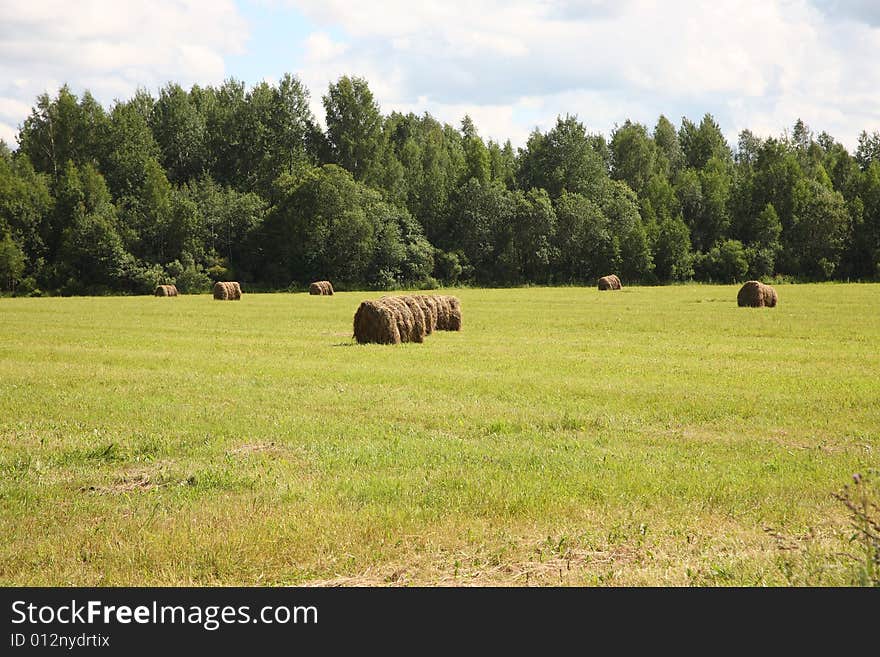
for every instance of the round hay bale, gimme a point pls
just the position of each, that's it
(227, 291)
(421, 321)
(610, 282)
(448, 312)
(443, 311)
(221, 291)
(754, 294)
(409, 330)
(375, 322)
(321, 288)
(453, 320)
(428, 311)
(431, 303)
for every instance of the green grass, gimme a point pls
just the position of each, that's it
(656, 436)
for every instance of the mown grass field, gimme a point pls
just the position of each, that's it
(654, 436)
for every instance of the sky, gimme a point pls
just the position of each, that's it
(512, 66)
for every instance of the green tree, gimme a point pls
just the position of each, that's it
(133, 146)
(868, 149)
(815, 242)
(673, 258)
(482, 227)
(659, 200)
(502, 163)
(620, 205)
(712, 221)
(25, 207)
(433, 163)
(12, 261)
(534, 233)
(291, 126)
(230, 221)
(63, 129)
(764, 243)
(699, 144)
(179, 129)
(354, 127)
(226, 136)
(725, 262)
(562, 160)
(328, 225)
(864, 252)
(476, 155)
(584, 243)
(634, 156)
(91, 254)
(670, 156)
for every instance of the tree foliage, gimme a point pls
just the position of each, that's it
(229, 181)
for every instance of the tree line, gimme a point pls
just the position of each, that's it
(237, 183)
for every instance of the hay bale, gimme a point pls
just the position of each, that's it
(408, 327)
(448, 312)
(221, 291)
(421, 321)
(754, 294)
(453, 313)
(431, 303)
(166, 291)
(375, 322)
(443, 311)
(321, 288)
(227, 291)
(406, 318)
(610, 282)
(428, 310)
(750, 295)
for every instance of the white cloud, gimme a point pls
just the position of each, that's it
(511, 65)
(110, 47)
(754, 63)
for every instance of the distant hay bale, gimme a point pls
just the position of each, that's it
(227, 291)
(610, 282)
(321, 288)
(755, 294)
(166, 291)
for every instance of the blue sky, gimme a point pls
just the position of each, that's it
(511, 65)
(276, 44)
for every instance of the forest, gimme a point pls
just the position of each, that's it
(243, 183)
